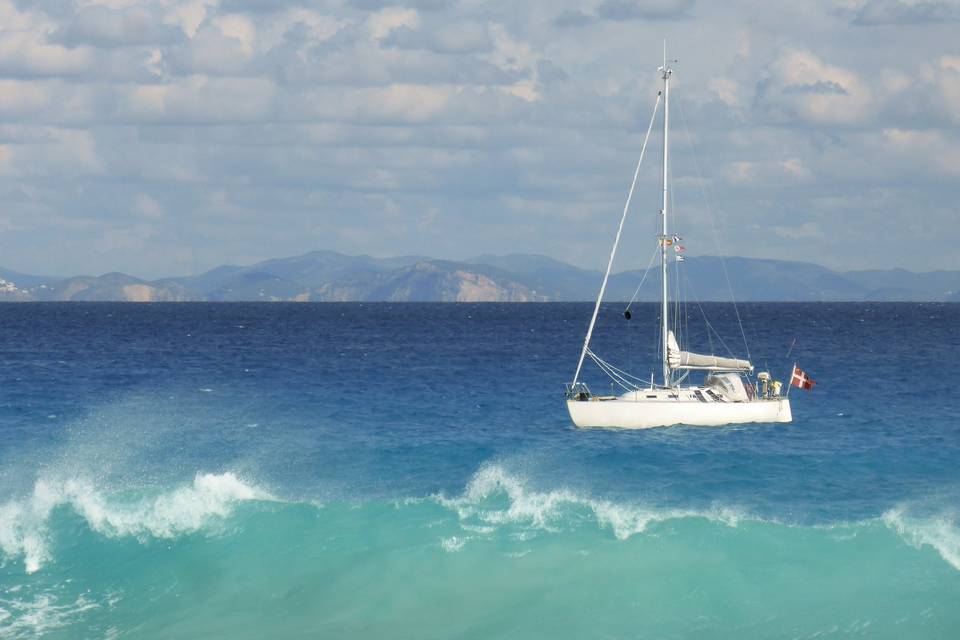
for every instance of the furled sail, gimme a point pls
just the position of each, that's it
(686, 360)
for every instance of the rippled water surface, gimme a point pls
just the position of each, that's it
(368, 471)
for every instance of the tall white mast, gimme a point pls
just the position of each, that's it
(664, 302)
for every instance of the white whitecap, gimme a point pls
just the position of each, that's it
(37, 617)
(187, 509)
(939, 532)
(495, 497)
(452, 544)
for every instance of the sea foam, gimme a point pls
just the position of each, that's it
(494, 496)
(187, 509)
(37, 617)
(939, 532)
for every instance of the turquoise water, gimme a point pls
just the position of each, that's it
(370, 471)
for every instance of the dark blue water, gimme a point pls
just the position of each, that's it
(409, 470)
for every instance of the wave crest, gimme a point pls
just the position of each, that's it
(940, 532)
(494, 496)
(187, 509)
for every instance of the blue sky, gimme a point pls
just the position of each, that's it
(168, 137)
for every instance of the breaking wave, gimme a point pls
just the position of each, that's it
(939, 532)
(494, 501)
(24, 523)
(495, 497)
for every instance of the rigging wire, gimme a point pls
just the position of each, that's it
(633, 298)
(713, 226)
(616, 242)
(622, 373)
(619, 377)
(676, 265)
(710, 327)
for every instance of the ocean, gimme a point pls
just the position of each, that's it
(409, 471)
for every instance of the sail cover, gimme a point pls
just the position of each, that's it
(686, 360)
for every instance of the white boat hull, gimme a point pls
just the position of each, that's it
(637, 414)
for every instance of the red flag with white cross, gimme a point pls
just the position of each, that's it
(801, 379)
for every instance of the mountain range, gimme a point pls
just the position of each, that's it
(326, 276)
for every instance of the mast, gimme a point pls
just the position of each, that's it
(664, 302)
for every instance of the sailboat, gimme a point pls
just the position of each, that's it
(728, 395)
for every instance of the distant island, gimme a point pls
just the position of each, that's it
(328, 276)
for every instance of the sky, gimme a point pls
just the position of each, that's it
(168, 137)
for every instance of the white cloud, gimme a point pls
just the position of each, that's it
(383, 22)
(126, 239)
(187, 14)
(727, 91)
(462, 127)
(201, 99)
(6, 158)
(212, 51)
(319, 26)
(21, 97)
(804, 231)
(13, 19)
(934, 150)
(904, 12)
(799, 84)
(400, 103)
(105, 26)
(645, 9)
(746, 172)
(29, 54)
(239, 27)
(948, 85)
(147, 207)
(53, 153)
(515, 56)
